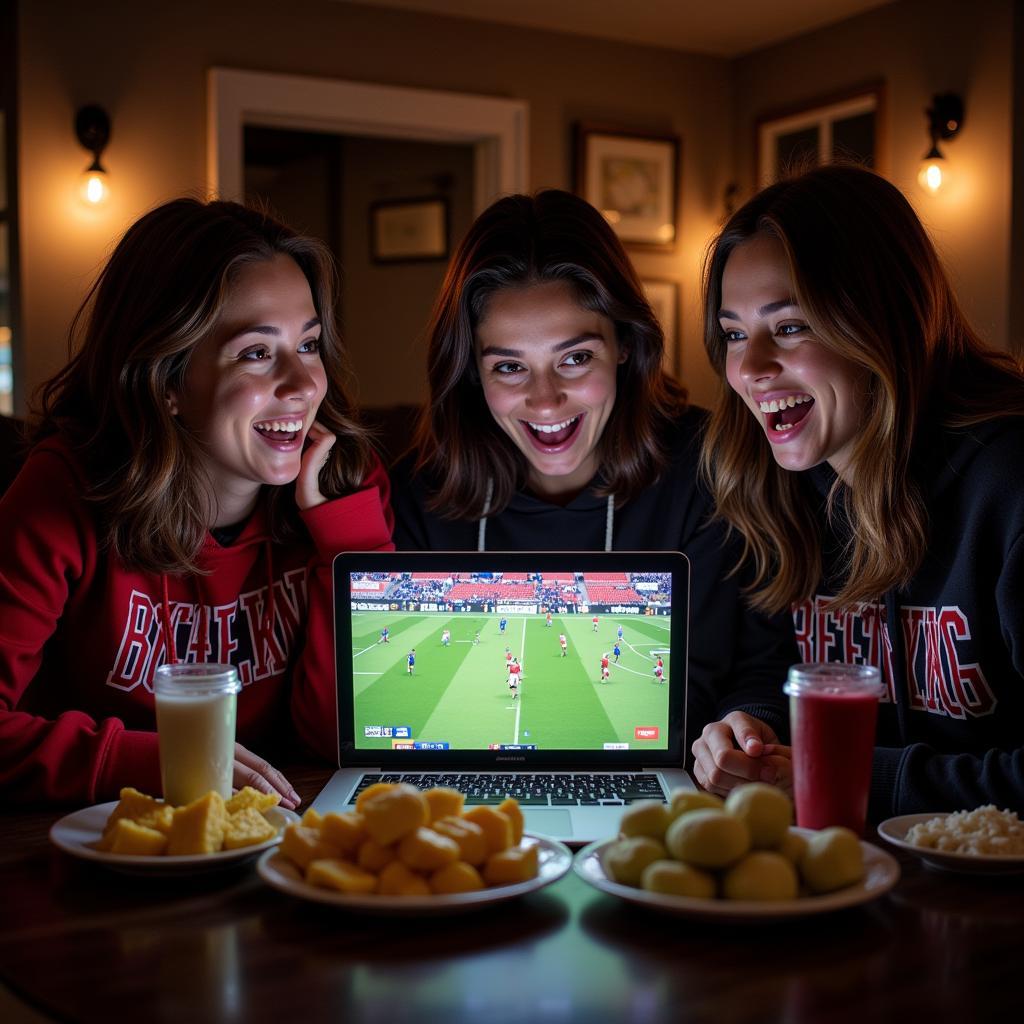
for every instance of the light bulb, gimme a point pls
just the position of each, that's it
(94, 189)
(933, 175)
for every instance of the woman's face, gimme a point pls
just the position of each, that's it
(253, 386)
(807, 398)
(548, 368)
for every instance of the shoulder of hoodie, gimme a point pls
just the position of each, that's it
(988, 456)
(56, 453)
(685, 435)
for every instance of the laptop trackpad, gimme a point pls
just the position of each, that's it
(549, 820)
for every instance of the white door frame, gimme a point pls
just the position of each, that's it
(496, 128)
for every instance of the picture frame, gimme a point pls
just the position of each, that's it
(409, 230)
(845, 125)
(632, 177)
(663, 297)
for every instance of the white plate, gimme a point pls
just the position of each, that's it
(894, 830)
(75, 833)
(881, 873)
(554, 859)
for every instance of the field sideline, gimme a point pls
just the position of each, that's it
(459, 694)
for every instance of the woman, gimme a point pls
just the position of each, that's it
(552, 426)
(868, 451)
(196, 468)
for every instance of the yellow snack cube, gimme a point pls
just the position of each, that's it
(373, 857)
(247, 827)
(394, 812)
(497, 826)
(303, 845)
(198, 827)
(343, 875)
(159, 818)
(427, 850)
(456, 877)
(516, 864)
(345, 830)
(132, 805)
(312, 819)
(510, 807)
(397, 880)
(249, 797)
(468, 834)
(128, 837)
(371, 791)
(444, 802)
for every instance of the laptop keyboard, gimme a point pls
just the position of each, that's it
(540, 789)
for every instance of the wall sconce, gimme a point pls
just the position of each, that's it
(92, 127)
(945, 119)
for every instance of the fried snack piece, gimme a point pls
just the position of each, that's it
(198, 827)
(497, 826)
(510, 807)
(302, 845)
(833, 860)
(247, 827)
(394, 812)
(311, 818)
(468, 834)
(707, 838)
(444, 802)
(515, 864)
(767, 812)
(346, 830)
(683, 800)
(398, 880)
(763, 876)
(456, 877)
(140, 808)
(626, 859)
(371, 791)
(128, 837)
(249, 797)
(426, 850)
(646, 818)
(374, 857)
(343, 875)
(675, 878)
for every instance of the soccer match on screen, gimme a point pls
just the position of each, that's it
(531, 661)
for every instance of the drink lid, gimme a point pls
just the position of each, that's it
(195, 680)
(833, 678)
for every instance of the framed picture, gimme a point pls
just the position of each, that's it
(664, 299)
(844, 126)
(408, 230)
(632, 178)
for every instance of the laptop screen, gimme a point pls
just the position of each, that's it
(542, 655)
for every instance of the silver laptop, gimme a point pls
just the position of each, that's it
(559, 679)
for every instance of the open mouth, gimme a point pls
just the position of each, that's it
(552, 435)
(782, 415)
(279, 432)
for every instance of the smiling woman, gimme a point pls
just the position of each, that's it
(196, 468)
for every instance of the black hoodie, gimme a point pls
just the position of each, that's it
(951, 644)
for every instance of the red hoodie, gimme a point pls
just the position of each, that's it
(79, 629)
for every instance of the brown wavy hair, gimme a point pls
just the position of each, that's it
(524, 240)
(159, 295)
(873, 290)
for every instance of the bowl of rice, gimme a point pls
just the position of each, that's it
(981, 841)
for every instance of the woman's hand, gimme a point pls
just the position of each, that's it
(739, 749)
(252, 770)
(320, 442)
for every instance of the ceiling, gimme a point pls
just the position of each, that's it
(725, 28)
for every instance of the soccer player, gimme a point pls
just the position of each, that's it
(616, 650)
(605, 671)
(411, 661)
(619, 634)
(594, 621)
(659, 672)
(547, 620)
(514, 671)
(384, 633)
(502, 624)
(476, 638)
(508, 654)
(564, 644)
(446, 637)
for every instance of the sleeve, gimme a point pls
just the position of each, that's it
(408, 501)
(47, 541)
(919, 779)
(358, 522)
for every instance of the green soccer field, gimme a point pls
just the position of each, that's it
(459, 694)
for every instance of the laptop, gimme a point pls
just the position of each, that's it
(559, 679)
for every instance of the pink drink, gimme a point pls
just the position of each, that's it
(833, 709)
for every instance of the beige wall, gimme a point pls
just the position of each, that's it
(147, 62)
(919, 48)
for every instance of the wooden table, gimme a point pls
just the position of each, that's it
(80, 943)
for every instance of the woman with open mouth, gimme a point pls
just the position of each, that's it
(868, 449)
(196, 468)
(553, 426)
